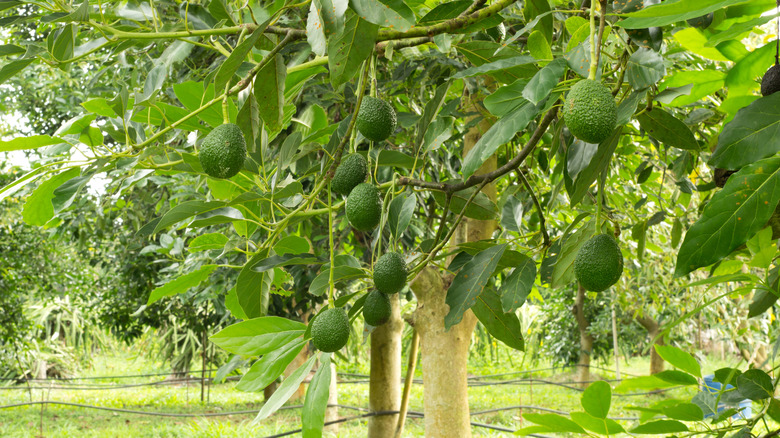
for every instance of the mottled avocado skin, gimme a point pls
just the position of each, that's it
(770, 83)
(364, 208)
(390, 273)
(590, 111)
(330, 330)
(376, 119)
(351, 172)
(376, 308)
(223, 151)
(599, 263)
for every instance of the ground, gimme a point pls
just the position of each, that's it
(488, 392)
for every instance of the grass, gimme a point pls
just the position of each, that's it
(66, 421)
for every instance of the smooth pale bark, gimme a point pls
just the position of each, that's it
(384, 390)
(653, 328)
(444, 353)
(586, 339)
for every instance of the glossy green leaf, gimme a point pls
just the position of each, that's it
(774, 409)
(753, 134)
(732, 216)
(12, 68)
(269, 92)
(503, 326)
(30, 142)
(762, 301)
(218, 216)
(432, 108)
(597, 398)
(599, 425)
(554, 422)
(494, 66)
(483, 52)
(192, 95)
(315, 31)
(316, 401)
(445, 11)
(540, 9)
(598, 162)
(394, 14)
(64, 41)
(678, 358)
(348, 50)
(755, 385)
(645, 68)
(252, 288)
(705, 83)
(221, 11)
(181, 284)
(205, 242)
(292, 245)
(684, 412)
(672, 12)
(695, 41)
(736, 29)
(38, 209)
(266, 370)
(258, 336)
(660, 427)
(518, 285)
(541, 85)
(10, 49)
(470, 282)
(400, 215)
(676, 377)
(563, 272)
(668, 129)
(539, 46)
(331, 15)
(184, 211)
(506, 98)
(237, 56)
(480, 208)
(499, 134)
(288, 387)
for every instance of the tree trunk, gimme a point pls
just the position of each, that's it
(384, 391)
(445, 353)
(586, 339)
(653, 328)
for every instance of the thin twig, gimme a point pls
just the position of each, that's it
(542, 225)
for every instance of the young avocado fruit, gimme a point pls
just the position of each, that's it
(599, 263)
(376, 308)
(330, 330)
(364, 208)
(390, 273)
(590, 111)
(223, 151)
(376, 119)
(650, 38)
(770, 83)
(351, 172)
(702, 22)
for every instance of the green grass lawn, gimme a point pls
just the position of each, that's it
(67, 421)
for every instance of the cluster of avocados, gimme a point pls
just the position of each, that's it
(376, 120)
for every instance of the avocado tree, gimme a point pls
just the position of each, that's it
(498, 140)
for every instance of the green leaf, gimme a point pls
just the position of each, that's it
(695, 41)
(288, 387)
(684, 412)
(237, 56)
(31, 142)
(181, 284)
(258, 336)
(292, 245)
(346, 268)
(539, 46)
(753, 134)
(432, 108)
(554, 422)
(646, 383)
(541, 85)
(331, 15)
(208, 241)
(762, 301)
(563, 272)
(499, 134)
(672, 12)
(184, 211)
(599, 425)
(494, 66)
(599, 162)
(315, 31)
(645, 68)
(348, 50)
(394, 14)
(503, 326)
(597, 398)
(400, 215)
(741, 78)
(231, 303)
(469, 283)
(676, 377)
(774, 409)
(732, 216)
(445, 11)
(506, 98)
(269, 92)
(755, 384)
(12, 68)
(64, 40)
(483, 52)
(266, 370)
(10, 49)
(38, 209)
(660, 427)
(678, 358)
(316, 401)
(481, 208)
(518, 285)
(220, 10)
(218, 216)
(668, 129)
(253, 287)
(540, 10)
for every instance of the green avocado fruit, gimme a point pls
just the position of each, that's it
(223, 151)
(351, 172)
(770, 83)
(599, 263)
(364, 208)
(376, 119)
(390, 273)
(590, 111)
(376, 308)
(330, 330)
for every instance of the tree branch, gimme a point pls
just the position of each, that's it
(489, 177)
(538, 206)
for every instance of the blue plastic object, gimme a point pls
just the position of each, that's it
(745, 407)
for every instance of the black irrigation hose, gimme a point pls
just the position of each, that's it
(84, 387)
(129, 376)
